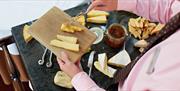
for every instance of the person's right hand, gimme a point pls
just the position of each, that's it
(67, 66)
(106, 5)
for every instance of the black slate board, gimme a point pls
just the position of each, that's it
(121, 17)
(42, 77)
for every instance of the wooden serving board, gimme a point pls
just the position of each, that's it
(48, 26)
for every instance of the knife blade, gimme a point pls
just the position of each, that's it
(150, 69)
(90, 61)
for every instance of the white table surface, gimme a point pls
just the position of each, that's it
(15, 12)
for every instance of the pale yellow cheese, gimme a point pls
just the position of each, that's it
(68, 27)
(133, 31)
(75, 28)
(97, 19)
(132, 22)
(80, 19)
(102, 58)
(68, 39)
(109, 71)
(26, 35)
(65, 45)
(121, 59)
(94, 13)
(62, 79)
(141, 43)
(157, 28)
(141, 49)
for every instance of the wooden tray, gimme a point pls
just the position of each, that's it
(47, 27)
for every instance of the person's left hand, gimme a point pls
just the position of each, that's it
(67, 66)
(105, 5)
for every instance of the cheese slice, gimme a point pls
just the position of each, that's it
(121, 59)
(68, 39)
(157, 28)
(66, 28)
(141, 43)
(76, 28)
(109, 71)
(26, 35)
(97, 19)
(94, 13)
(65, 45)
(133, 31)
(102, 58)
(80, 19)
(132, 22)
(63, 80)
(70, 28)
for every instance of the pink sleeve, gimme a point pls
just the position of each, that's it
(82, 82)
(155, 10)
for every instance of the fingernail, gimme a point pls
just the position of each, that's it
(61, 62)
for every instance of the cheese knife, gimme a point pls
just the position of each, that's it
(90, 61)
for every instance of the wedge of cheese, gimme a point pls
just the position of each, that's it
(65, 45)
(68, 39)
(109, 71)
(66, 28)
(121, 59)
(70, 28)
(26, 35)
(76, 28)
(94, 13)
(102, 58)
(141, 43)
(135, 33)
(80, 19)
(141, 49)
(63, 80)
(97, 19)
(157, 28)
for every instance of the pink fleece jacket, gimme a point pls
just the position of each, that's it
(166, 75)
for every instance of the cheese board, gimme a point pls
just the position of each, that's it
(48, 26)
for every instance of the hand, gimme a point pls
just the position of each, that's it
(67, 66)
(106, 5)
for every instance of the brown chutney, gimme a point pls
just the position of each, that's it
(115, 35)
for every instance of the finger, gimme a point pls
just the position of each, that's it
(94, 4)
(98, 2)
(60, 62)
(78, 64)
(103, 8)
(89, 8)
(64, 57)
(99, 8)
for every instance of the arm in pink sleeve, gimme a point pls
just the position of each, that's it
(82, 82)
(155, 10)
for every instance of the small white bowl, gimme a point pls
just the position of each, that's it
(99, 33)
